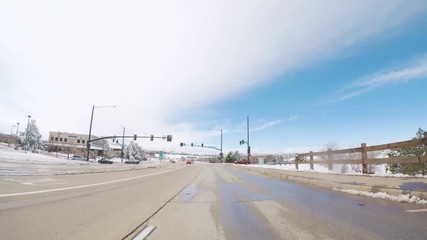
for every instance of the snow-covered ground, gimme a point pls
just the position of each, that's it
(19, 162)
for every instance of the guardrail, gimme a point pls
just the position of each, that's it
(363, 150)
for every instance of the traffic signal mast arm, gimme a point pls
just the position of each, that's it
(202, 146)
(168, 137)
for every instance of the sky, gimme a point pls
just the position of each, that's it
(306, 73)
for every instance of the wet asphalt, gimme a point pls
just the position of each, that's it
(318, 212)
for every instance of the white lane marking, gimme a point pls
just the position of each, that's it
(417, 210)
(82, 186)
(144, 234)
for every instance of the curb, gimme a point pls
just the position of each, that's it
(312, 181)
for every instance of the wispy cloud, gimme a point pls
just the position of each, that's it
(416, 70)
(266, 125)
(293, 117)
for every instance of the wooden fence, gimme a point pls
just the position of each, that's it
(363, 151)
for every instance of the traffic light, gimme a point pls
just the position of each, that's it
(151, 137)
(135, 137)
(169, 138)
(181, 144)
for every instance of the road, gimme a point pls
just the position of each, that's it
(198, 201)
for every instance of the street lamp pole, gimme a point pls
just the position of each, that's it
(90, 132)
(17, 137)
(10, 138)
(90, 127)
(17, 126)
(123, 143)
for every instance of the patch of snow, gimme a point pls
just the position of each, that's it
(382, 195)
(320, 168)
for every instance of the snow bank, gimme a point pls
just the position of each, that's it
(379, 170)
(17, 156)
(382, 195)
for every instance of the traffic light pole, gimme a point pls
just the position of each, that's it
(249, 147)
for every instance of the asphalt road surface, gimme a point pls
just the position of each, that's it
(198, 201)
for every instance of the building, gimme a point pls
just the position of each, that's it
(75, 143)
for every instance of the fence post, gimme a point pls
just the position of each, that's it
(364, 158)
(296, 161)
(311, 160)
(330, 159)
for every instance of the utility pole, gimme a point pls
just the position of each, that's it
(10, 137)
(17, 136)
(123, 143)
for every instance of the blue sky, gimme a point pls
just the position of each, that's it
(303, 109)
(305, 73)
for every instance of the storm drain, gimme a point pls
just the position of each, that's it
(145, 233)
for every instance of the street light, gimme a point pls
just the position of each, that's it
(17, 137)
(90, 127)
(17, 126)
(123, 144)
(10, 138)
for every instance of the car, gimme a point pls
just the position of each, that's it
(172, 161)
(105, 161)
(132, 162)
(242, 161)
(188, 162)
(77, 157)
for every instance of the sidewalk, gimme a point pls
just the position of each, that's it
(393, 186)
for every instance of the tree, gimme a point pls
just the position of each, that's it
(31, 137)
(409, 168)
(232, 157)
(133, 150)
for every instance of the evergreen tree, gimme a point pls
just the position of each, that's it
(232, 157)
(409, 168)
(31, 137)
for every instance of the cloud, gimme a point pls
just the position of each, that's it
(414, 71)
(266, 126)
(293, 118)
(160, 60)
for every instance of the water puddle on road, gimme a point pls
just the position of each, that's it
(414, 186)
(188, 193)
(237, 214)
